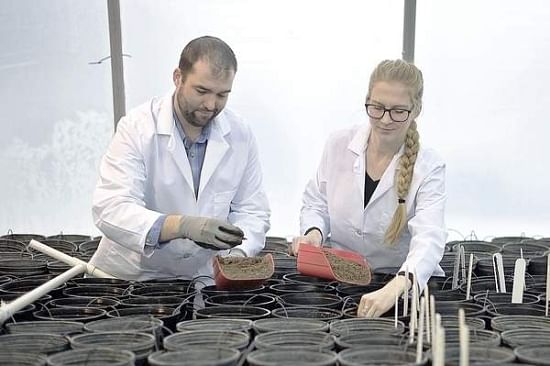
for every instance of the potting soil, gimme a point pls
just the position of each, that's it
(245, 268)
(348, 271)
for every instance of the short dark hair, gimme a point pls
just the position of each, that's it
(211, 49)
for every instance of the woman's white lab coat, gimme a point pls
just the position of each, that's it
(334, 202)
(146, 173)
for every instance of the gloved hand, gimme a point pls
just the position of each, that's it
(314, 237)
(210, 233)
(378, 302)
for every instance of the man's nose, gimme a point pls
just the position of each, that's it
(209, 102)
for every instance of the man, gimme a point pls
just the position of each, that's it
(181, 181)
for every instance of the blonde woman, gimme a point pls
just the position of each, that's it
(377, 192)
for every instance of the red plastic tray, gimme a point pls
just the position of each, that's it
(312, 261)
(224, 282)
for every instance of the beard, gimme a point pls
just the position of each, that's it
(196, 117)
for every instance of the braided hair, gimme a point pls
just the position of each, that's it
(411, 76)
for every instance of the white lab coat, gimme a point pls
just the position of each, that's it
(334, 202)
(146, 173)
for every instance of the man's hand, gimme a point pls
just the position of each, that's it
(378, 302)
(314, 237)
(210, 233)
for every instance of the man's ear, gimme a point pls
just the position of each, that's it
(176, 76)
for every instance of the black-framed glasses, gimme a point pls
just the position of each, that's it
(377, 111)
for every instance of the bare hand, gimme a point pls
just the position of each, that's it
(314, 238)
(376, 303)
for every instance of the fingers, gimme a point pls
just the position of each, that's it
(226, 241)
(228, 236)
(231, 229)
(369, 306)
(293, 248)
(207, 246)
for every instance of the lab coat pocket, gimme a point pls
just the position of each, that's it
(222, 203)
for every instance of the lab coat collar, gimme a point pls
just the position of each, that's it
(358, 145)
(215, 150)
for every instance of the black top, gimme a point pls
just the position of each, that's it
(370, 186)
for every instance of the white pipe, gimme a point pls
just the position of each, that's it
(60, 256)
(7, 310)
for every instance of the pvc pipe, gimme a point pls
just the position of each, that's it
(60, 256)
(7, 310)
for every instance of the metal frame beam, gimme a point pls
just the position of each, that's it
(409, 27)
(117, 70)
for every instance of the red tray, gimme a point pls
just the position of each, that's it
(312, 261)
(224, 282)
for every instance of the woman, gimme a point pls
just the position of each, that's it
(377, 192)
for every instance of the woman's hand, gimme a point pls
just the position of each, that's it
(314, 237)
(376, 303)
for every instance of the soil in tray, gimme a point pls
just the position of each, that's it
(245, 268)
(348, 271)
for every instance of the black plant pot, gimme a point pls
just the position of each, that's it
(239, 299)
(71, 314)
(307, 312)
(241, 325)
(207, 338)
(294, 340)
(298, 357)
(232, 312)
(170, 316)
(277, 324)
(323, 300)
(214, 356)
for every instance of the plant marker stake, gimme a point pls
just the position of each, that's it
(428, 328)
(499, 273)
(519, 280)
(439, 340)
(464, 339)
(432, 317)
(414, 309)
(456, 268)
(463, 262)
(406, 294)
(7, 310)
(469, 282)
(420, 337)
(396, 309)
(547, 283)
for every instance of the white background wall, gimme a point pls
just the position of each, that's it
(303, 72)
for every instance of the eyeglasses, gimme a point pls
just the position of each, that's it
(396, 114)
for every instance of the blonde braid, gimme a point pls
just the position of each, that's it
(403, 183)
